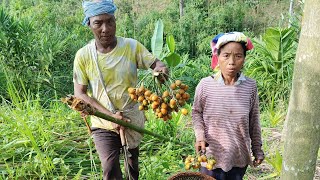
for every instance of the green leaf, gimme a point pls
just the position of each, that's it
(166, 165)
(173, 59)
(171, 43)
(15, 143)
(157, 39)
(278, 161)
(271, 176)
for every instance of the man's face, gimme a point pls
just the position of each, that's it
(104, 28)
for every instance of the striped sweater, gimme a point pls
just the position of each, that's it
(227, 118)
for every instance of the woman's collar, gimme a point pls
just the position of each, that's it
(218, 77)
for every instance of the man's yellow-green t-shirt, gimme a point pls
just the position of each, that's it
(119, 71)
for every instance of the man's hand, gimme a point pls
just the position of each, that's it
(118, 115)
(162, 74)
(200, 146)
(161, 69)
(257, 161)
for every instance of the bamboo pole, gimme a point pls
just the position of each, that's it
(85, 108)
(135, 128)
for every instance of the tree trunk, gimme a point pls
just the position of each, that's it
(290, 13)
(181, 7)
(302, 134)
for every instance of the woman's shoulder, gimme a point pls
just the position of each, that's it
(250, 81)
(207, 79)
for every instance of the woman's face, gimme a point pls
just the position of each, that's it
(231, 59)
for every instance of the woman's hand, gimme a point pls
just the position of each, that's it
(200, 146)
(257, 161)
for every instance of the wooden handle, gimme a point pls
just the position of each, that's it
(87, 124)
(122, 137)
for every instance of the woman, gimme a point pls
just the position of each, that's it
(225, 112)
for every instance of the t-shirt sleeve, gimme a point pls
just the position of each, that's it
(144, 58)
(79, 73)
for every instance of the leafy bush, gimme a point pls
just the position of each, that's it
(271, 64)
(39, 47)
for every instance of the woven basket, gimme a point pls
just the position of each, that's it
(190, 176)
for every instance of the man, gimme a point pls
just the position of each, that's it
(109, 65)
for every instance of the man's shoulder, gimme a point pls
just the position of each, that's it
(127, 40)
(133, 43)
(84, 51)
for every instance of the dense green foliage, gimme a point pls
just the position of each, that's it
(38, 41)
(48, 143)
(38, 44)
(272, 61)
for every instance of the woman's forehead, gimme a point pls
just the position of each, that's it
(232, 46)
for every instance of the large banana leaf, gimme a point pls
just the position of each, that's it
(171, 43)
(157, 39)
(271, 62)
(173, 59)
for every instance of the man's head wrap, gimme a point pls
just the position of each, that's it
(223, 38)
(97, 7)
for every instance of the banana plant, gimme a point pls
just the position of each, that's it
(168, 54)
(271, 62)
(163, 50)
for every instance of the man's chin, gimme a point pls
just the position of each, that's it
(106, 42)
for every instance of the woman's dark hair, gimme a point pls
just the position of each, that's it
(243, 44)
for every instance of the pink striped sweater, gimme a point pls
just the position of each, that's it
(227, 118)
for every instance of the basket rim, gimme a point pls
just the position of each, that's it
(190, 173)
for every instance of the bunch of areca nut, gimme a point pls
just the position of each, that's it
(162, 98)
(196, 162)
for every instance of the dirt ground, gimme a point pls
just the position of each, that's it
(274, 140)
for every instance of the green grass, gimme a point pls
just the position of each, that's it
(52, 142)
(44, 143)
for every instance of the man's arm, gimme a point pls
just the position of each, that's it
(80, 91)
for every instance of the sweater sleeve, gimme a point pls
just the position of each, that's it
(254, 127)
(197, 113)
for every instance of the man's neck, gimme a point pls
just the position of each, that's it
(106, 48)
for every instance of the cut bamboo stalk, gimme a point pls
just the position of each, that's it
(85, 108)
(134, 127)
